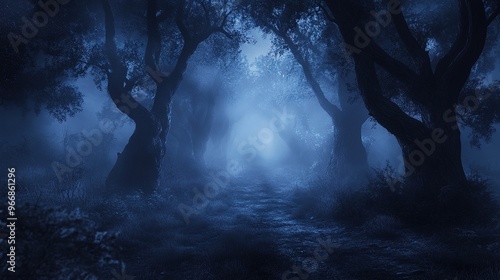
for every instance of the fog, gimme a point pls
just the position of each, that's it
(250, 140)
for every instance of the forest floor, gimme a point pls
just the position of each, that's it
(254, 230)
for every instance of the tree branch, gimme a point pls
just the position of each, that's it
(386, 113)
(395, 67)
(329, 107)
(153, 47)
(348, 28)
(306, 41)
(223, 23)
(224, 19)
(459, 43)
(180, 21)
(412, 45)
(454, 77)
(119, 88)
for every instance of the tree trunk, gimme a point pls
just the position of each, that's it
(201, 125)
(431, 145)
(138, 166)
(431, 149)
(349, 159)
(435, 162)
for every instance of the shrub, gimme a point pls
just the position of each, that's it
(316, 201)
(61, 244)
(417, 205)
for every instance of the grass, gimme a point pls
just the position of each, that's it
(313, 201)
(383, 237)
(156, 238)
(442, 235)
(415, 206)
(54, 243)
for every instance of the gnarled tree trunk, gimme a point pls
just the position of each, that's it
(431, 146)
(138, 166)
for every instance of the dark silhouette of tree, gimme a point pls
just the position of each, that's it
(429, 138)
(192, 122)
(139, 165)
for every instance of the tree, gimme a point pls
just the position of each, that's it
(42, 56)
(430, 140)
(297, 25)
(139, 165)
(192, 114)
(200, 102)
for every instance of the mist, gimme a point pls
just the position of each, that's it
(250, 140)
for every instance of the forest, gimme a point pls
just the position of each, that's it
(250, 139)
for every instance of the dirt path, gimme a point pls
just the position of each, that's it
(250, 232)
(266, 210)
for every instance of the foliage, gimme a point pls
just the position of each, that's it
(416, 205)
(61, 244)
(40, 73)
